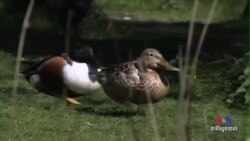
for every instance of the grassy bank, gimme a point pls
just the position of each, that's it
(172, 10)
(30, 115)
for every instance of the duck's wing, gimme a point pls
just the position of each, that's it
(126, 74)
(34, 68)
(125, 83)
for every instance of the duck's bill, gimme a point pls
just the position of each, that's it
(166, 65)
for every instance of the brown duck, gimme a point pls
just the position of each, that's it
(138, 81)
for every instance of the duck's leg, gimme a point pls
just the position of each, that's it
(72, 101)
(68, 99)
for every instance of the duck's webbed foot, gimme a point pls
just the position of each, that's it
(72, 101)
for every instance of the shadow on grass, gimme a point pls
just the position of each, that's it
(94, 101)
(112, 112)
(176, 96)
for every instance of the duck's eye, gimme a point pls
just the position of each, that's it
(151, 54)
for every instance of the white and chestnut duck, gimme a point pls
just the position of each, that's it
(59, 76)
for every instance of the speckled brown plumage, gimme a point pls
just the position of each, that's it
(132, 81)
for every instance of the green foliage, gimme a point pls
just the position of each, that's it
(226, 77)
(7, 67)
(239, 97)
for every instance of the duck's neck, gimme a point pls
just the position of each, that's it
(140, 64)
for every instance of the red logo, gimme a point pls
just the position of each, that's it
(223, 120)
(219, 120)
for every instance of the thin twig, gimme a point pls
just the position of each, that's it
(184, 69)
(181, 130)
(112, 29)
(203, 34)
(69, 34)
(21, 45)
(190, 36)
(187, 82)
(152, 117)
(151, 109)
(206, 123)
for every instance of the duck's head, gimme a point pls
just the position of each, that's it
(85, 55)
(151, 58)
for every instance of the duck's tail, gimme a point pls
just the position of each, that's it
(28, 72)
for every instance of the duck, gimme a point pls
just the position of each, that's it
(139, 81)
(61, 77)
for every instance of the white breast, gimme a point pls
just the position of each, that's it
(76, 78)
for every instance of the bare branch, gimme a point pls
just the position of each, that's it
(203, 34)
(184, 130)
(69, 34)
(21, 44)
(190, 36)
(187, 76)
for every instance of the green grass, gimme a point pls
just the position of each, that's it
(30, 115)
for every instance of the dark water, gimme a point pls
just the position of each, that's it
(231, 37)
